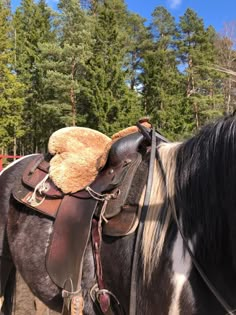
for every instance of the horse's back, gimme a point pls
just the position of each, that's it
(28, 236)
(8, 178)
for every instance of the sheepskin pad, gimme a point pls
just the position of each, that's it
(79, 154)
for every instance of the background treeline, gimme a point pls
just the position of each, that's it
(104, 67)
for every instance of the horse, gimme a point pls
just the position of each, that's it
(186, 262)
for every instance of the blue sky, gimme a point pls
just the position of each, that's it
(214, 12)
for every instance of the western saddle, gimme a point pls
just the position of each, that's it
(101, 206)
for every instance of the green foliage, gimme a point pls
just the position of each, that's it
(27, 64)
(137, 42)
(175, 120)
(161, 79)
(109, 102)
(64, 62)
(104, 68)
(11, 90)
(196, 50)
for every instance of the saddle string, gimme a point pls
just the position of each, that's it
(72, 300)
(210, 286)
(95, 195)
(41, 187)
(136, 255)
(102, 197)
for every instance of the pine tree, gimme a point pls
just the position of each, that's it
(161, 79)
(226, 61)
(110, 103)
(11, 90)
(197, 54)
(138, 41)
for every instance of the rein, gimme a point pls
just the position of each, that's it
(133, 288)
(204, 277)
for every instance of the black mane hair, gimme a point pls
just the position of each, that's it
(205, 186)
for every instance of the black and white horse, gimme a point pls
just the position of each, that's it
(193, 193)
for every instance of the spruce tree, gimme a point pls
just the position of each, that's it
(110, 103)
(11, 90)
(28, 55)
(26, 38)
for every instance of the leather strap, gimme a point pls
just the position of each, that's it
(104, 299)
(133, 288)
(146, 132)
(64, 259)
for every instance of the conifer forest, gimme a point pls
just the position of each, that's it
(96, 64)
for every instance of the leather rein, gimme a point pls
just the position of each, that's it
(229, 310)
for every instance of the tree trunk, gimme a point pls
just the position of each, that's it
(73, 104)
(14, 147)
(72, 96)
(196, 109)
(229, 96)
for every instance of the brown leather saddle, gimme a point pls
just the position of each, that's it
(73, 213)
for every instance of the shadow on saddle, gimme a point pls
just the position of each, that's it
(85, 173)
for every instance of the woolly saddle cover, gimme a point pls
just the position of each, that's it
(78, 155)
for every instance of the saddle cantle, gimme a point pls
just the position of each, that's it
(73, 212)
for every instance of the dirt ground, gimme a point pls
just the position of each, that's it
(27, 304)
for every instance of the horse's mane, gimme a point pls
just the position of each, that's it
(199, 180)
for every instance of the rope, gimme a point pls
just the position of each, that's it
(39, 188)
